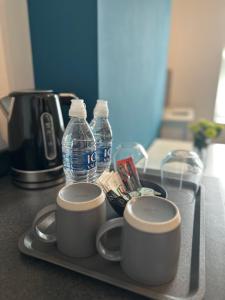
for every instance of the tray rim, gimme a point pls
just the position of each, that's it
(195, 294)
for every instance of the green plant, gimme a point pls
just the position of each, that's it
(204, 131)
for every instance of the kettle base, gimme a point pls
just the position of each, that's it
(40, 179)
(38, 185)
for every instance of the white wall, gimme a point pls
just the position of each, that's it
(196, 43)
(4, 81)
(16, 67)
(15, 33)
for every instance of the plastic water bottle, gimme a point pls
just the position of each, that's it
(78, 146)
(103, 136)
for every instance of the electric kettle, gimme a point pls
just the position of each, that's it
(34, 133)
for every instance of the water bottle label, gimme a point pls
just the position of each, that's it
(104, 154)
(89, 159)
(85, 161)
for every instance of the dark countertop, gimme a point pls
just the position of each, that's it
(23, 277)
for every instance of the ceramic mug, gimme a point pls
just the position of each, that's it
(150, 241)
(79, 212)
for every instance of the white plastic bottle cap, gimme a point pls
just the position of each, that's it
(78, 109)
(101, 108)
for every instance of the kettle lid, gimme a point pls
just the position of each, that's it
(30, 92)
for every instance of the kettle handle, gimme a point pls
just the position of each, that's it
(65, 98)
(6, 106)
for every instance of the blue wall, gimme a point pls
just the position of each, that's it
(112, 49)
(64, 45)
(132, 56)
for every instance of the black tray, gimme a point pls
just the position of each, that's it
(189, 282)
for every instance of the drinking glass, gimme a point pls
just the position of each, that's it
(181, 171)
(134, 150)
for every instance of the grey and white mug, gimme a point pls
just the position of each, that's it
(150, 241)
(80, 210)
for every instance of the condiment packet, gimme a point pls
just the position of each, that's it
(128, 174)
(111, 181)
(144, 191)
(117, 202)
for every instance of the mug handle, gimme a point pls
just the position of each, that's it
(42, 221)
(104, 252)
